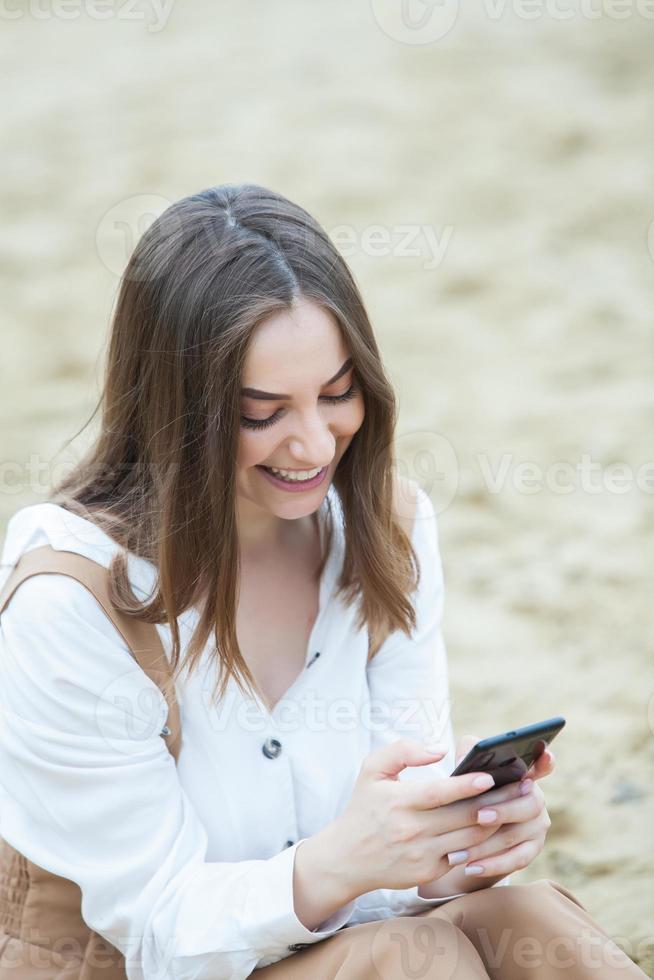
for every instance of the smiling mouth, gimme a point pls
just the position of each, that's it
(294, 482)
(278, 472)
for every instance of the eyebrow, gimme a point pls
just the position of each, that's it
(272, 396)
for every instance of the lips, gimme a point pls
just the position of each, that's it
(294, 486)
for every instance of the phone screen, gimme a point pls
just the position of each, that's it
(508, 756)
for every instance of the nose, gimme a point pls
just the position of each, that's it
(313, 443)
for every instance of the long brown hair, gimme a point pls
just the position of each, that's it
(160, 478)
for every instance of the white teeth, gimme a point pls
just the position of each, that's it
(297, 475)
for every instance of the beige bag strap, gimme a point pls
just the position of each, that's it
(142, 638)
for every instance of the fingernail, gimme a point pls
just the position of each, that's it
(473, 869)
(484, 782)
(525, 786)
(436, 748)
(458, 857)
(487, 816)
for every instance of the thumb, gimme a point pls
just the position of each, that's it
(464, 744)
(389, 760)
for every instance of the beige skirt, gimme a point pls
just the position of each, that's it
(534, 931)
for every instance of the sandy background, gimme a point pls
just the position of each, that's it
(527, 147)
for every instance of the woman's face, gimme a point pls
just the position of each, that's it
(311, 411)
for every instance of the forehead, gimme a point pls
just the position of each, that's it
(301, 345)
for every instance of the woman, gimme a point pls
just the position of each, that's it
(240, 492)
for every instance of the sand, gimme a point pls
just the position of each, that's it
(514, 316)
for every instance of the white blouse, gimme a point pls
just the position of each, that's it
(188, 869)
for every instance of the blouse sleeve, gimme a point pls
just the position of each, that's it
(409, 692)
(89, 791)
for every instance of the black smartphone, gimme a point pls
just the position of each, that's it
(507, 757)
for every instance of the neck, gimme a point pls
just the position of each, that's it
(261, 533)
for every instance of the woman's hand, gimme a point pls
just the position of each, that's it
(543, 766)
(520, 838)
(397, 833)
(522, 824)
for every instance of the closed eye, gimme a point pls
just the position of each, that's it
(249, 423)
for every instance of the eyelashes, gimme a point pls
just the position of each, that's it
(330, 399)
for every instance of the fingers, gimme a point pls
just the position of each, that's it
(462, 816)
(420, 795)
(542, 766)
(442, 791)
(517, 810)
(515, 859)
(506, 840)
(500, 793)
(510, 848)
(434, 793)
(463, 746)
(462, 841)
(389, 760)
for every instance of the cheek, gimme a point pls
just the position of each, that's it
(352, 418)
(255, 447)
